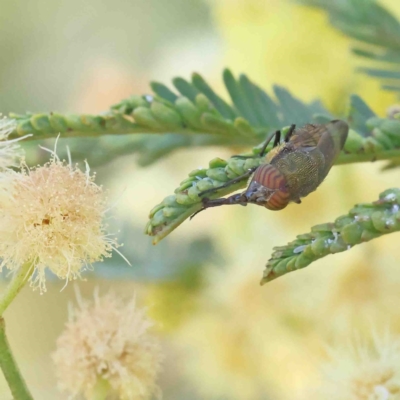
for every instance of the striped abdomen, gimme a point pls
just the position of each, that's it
(268, 188)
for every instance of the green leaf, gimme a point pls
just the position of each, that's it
(163, 91)
(185, 88)
(224, 108)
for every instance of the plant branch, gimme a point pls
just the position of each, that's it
(18, 280)
(10, 369)
(383, 143)
(364, 222)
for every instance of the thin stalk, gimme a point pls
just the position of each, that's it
(101, 390)
(10, 369)
(13, 288)
(356, 157)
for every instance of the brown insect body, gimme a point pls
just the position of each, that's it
(293, 169)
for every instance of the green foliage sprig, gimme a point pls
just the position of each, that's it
(371, 139)
(364, 222)
(192, 115)
(376, 33)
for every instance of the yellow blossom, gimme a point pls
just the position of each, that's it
(51, 216)
(108, 340)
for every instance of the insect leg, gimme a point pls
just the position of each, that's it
(269, 138)
(229, 183)
(240, 199)
(277, 138)
(276, 134)
(290, 132)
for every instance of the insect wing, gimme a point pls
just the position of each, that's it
(331, 143)
(329, 139)
(307, 136)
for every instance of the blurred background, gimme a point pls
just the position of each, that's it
(224, 336)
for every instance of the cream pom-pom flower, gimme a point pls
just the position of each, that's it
(51, 217)
(10, 151)
(364, 371)
(106, 344)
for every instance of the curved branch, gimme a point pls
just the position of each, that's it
(364, 222)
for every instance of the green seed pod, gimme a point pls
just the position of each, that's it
(320, 247)
(190, 114)
(171, 201)
(372, 146)
(201, 173)
(184, 185)
(143, 116)
(379, 220)
(391, 127)
(183, 198)
(204, 184)
(236, 165)
(193, 194)
(383, 139)
(252, 163)
(41, 123)
(369, 235)
(128, 105)
(74, 122)
(244, 128)
(217, 174)
(343, 221)
(351, 233)
(304, 236)
(390, 196)
(57, 122)
(167, 116)
(374, 122)
(203, 104)
(327, 227)
(158, 207)
(354, 142)
(190, 179)
(24, 128)
(217, 124)
(308, 252)
(172, 212)
(302, 261)
(291, 264)
(338, 245)
(158, 218)
(217, 163)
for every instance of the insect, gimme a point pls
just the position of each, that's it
(292, 169)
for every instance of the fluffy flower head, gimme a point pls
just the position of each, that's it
(365, 372)
(108, 340)
(10, 151)
(51, 216)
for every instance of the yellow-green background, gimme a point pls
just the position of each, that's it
(224, 336)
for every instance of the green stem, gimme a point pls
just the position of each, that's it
(101, 389)
(357, 157)
(10, 369)
(13, 288)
